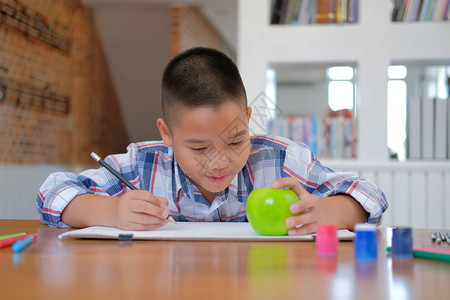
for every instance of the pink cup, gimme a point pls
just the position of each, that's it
(326, 240)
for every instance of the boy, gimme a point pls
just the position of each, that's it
(206, 165)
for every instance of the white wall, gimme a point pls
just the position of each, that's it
(311, 100)
(19, 185)
(136, 43)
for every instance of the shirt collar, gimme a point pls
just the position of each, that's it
(183, 183)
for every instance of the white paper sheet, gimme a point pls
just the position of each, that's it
(197, 231)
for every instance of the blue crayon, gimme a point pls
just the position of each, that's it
(22, 244)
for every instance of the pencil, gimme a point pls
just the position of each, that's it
(120, 177)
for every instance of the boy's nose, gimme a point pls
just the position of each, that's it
(220, 162)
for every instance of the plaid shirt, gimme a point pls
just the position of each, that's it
(152, 166)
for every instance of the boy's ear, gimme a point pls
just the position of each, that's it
(165, 132)
(249, 113)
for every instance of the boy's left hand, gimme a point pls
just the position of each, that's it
(340, 210)
(311, 210)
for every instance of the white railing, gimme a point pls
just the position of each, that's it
(418, 192)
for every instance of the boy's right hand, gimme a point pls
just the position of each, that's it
(141, 210)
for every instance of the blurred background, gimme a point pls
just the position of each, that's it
(364, 83)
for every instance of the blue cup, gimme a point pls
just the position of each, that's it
(402, 243)
(365, 243)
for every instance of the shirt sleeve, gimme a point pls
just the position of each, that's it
(61, 187)
(321, 181)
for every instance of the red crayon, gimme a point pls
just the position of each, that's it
(9, 241)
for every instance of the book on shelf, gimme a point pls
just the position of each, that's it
(326, 11)
(448, 128)
(292, 10)
(440, 9)
(308, 12)
(440, 129)
(335, 139)
(397, 11)
(278, 9)
(314, 11)
(420, 10)
(428, 128)
(427, 131)
(426, 10)
(412, 10)
(446, 11)
(341, 11)
(413, 120)
(331, 137)
(350, 138)
(308, 138)
(353, 11)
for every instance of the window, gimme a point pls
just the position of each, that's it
(396, 111)
(340, 88)
(416, 81)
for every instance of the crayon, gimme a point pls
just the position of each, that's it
(10, 241)
(430, 253)
(11, 235)
(22, 244)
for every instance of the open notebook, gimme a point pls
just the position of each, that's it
(196, 231)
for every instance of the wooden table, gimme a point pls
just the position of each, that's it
(108, 269)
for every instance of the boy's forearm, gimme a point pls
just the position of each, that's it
(89, 210)
(345, 211)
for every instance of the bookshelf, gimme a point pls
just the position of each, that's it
(372, 44)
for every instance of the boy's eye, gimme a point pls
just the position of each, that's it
(199, 149)
(236, 143)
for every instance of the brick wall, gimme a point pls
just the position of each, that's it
(190, 28)
(57, 100)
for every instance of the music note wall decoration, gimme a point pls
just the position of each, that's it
(17, 16)
(27, 96)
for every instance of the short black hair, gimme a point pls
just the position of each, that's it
(201, 77)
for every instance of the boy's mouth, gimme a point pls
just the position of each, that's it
(217, 180)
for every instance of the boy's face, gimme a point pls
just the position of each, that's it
(211, 145)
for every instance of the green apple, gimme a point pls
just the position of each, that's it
(268, 209)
